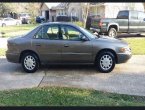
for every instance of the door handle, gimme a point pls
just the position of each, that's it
(66, 45)
(37, 44)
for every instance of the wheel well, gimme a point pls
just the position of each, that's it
(110, 50)
(113, 26)
(3, 24)
(28, 51)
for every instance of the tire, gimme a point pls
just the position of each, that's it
(3, 25)
(107, 65)
(27, 60)
(17, 23)
(112, 32)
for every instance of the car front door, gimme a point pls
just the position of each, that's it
(74, 50)
(141, 17)
(134, 22)
(122, 20)
(47, 44)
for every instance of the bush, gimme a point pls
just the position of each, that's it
(79, 23)
(67, 18)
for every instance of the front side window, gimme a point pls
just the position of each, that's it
(48, 32)
(6, 19)
(70, 33)
(134, 15)
(141, 15)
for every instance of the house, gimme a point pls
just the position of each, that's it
(107, 10)
(61, 9)
(110, 10)
(47, 12)
(51, 10)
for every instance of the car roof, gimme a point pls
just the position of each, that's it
(59, 23)
(8, 18)
(132, 10)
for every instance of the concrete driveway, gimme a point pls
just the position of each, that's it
(128, 78)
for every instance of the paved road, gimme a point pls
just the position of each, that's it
(128, 78)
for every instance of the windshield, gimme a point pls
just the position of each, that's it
(91, 35)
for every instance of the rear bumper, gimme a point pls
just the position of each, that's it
(95, 30)
(12, 57)
(99, 30)
(123, 57)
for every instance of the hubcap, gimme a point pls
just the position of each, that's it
(106, 62)
(112, 34)
(29, 62)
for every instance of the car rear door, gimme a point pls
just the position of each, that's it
(47, 44)
(74, 50)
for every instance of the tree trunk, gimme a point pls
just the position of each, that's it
(144, 6)
(85, 11)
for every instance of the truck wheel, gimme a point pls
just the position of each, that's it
(3, 25)
(105, 61)
(112, 32)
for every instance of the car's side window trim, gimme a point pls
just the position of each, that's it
(37, 33)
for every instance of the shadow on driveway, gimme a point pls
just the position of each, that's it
(131, 36)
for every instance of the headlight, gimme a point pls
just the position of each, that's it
(125, 50)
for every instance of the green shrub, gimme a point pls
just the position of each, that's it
(79, 23)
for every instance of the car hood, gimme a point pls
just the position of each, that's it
(112, 40)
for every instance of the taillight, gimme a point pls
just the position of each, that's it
(100, 24)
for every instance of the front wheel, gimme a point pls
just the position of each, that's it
(30, 62)
(17, 23)
(112, 32)
(105, 62)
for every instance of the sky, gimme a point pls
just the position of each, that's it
(52, 4)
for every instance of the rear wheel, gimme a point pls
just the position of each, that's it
(30, 62)
(105, 61)
(112, 32)
(3, 25)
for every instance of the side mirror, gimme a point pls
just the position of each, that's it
(144, 19)
(84, 38)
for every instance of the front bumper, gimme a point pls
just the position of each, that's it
(12, 57)
(123, 57)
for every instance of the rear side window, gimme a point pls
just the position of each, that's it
(134, 15)
(48, 32)
(123, 15)
(141, 16)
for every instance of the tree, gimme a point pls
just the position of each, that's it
(85, 11)
(33, 8)
(4, 8)
(144, 6)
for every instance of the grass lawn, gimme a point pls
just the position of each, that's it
(137, 45)
(56, 96)
(11, 31)
(2, 52)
